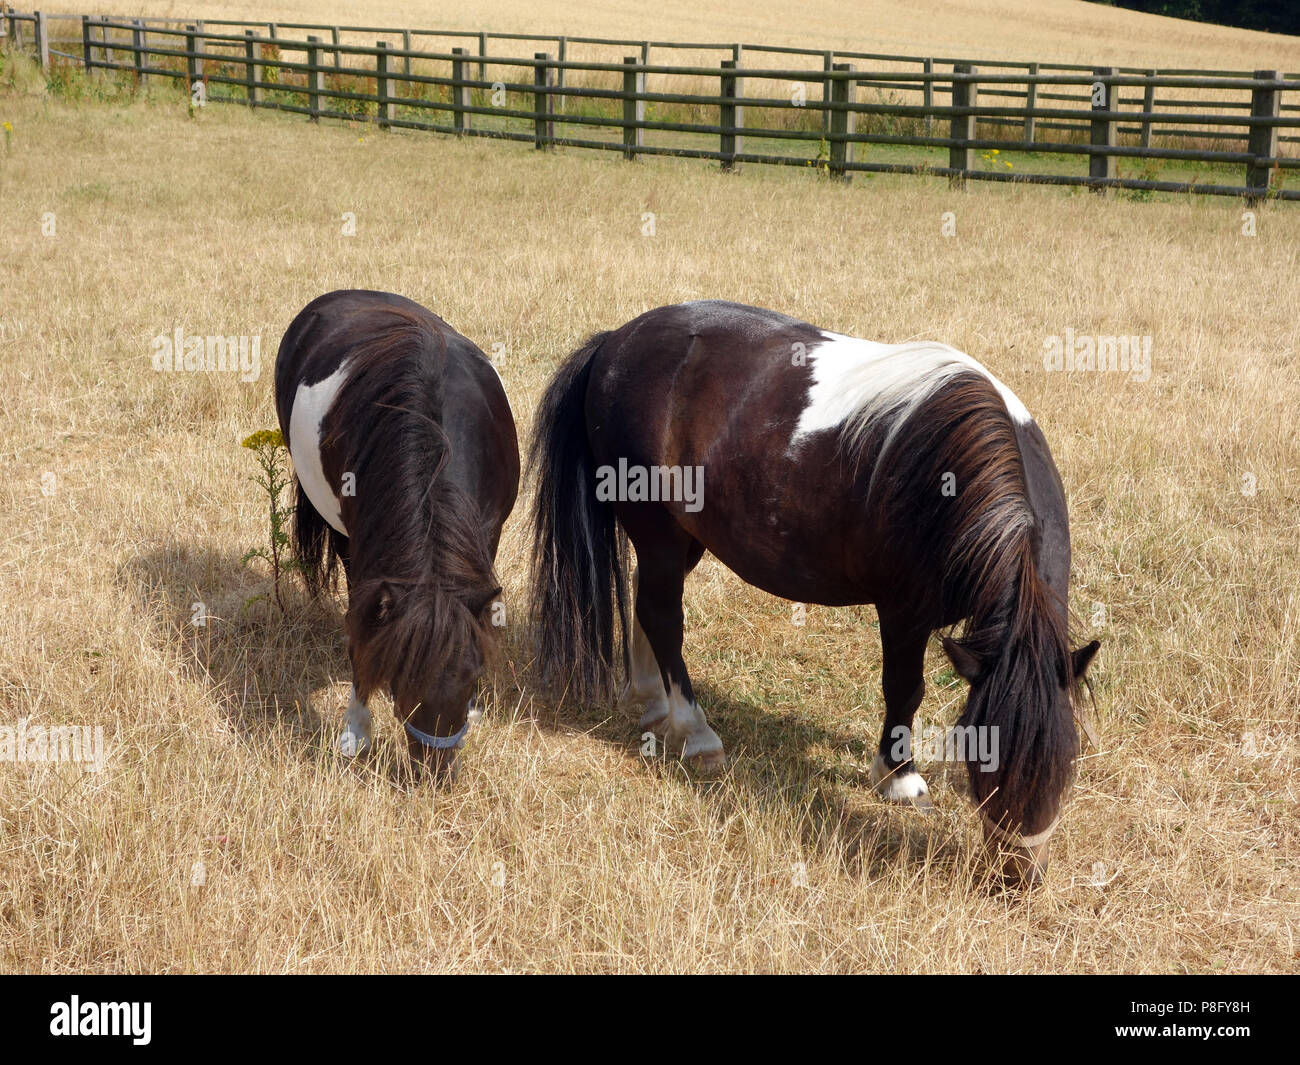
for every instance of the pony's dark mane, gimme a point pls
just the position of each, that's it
(421, 572)
(984, 537)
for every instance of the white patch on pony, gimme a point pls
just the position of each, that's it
(355, 738)
(310, 405)
(687, 727)
(898, 787)
(855, 382)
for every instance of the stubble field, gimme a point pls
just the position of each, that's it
(224, 834)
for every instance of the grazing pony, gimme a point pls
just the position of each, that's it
(822, 469)
(407, 464)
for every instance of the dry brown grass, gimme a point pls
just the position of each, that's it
(1063, 31)
(561, 848)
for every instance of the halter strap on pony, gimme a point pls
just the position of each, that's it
(439, 743)
(1015, 838)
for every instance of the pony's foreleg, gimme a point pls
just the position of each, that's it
(893, 773)
(645, 684)
(354, 740)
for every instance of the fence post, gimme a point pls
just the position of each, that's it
(927, 95)
(314, 78)
(1148, 105)
(1103, 129)
(460, 98)
(406, 47)
(137, 46)
(1264, 104)
(561, 51)
(107, 48)
(100, 41)
(731, 116)
(633, 108)
(338, 56)
(1031, 102)
(828, 64)
(645, 53)
(199, 49)
(482, 51)
(252, 68)
(383, 87)
(842, 122)
(964, 95)
(543, 103)
(42, 41)
(191, 62)
(87, 60)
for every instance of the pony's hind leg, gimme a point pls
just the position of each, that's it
(354, 740)
(645, 685)
(661, 575)
(893, 773)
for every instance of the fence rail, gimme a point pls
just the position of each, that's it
(725, 106)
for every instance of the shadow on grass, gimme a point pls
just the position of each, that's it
(788, 765)
(271, 673)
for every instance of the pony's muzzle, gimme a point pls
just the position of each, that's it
(1016, 863)
(436, 755)
(438, 765)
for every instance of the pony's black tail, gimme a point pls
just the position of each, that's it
(315, 545)
(578, 554)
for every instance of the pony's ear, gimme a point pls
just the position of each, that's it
(964, 661)
(381, 605)
(1081, 659)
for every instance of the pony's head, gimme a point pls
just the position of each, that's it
(1020, 738)
(426, 644)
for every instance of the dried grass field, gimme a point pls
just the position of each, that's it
(223, 833)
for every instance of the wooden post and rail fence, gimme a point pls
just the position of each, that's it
(1231, 121)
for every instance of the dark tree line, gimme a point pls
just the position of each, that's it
(1277, 16)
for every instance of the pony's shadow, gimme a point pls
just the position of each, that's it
(779, 756)
(263, 667)
(266, 670)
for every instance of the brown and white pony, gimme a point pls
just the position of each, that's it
(407, 464)
(825, 469)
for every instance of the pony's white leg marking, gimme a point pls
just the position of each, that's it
(687, 727)
(355, 738)
(310, 405)
(645, 684)
(891, 786)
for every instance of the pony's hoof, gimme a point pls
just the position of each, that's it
(709, 763)
(654, 713)
(353, 744)
(905, 789)
(703, 750)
